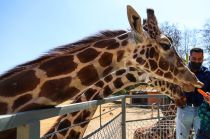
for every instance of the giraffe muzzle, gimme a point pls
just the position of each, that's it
(199, 84)
(189, 87)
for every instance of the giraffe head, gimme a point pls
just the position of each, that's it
(155, 54)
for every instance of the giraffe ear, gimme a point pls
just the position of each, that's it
(134, 20)
(151, 25)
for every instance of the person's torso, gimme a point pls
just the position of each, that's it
(194, 97)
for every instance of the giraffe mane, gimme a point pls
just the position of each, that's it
(73, 47)
(65, 49)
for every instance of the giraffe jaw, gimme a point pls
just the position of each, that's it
(187, 87)
(191, 87)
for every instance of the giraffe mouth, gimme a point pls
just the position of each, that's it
(187, 87)
(191, 87)
(199, 84)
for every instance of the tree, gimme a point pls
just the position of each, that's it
(206, 35)
(172, 31)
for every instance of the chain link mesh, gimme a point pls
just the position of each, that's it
(111, 130)
(156, 121)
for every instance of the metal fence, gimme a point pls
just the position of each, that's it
(149, 120)
(155, 120)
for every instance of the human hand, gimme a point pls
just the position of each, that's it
(207, 99)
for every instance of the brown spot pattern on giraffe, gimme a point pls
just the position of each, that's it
(168, 75)
(3, 109)
(19, 83)
(103, 43)
(108, 78)
(172, 67)
(106, 59)
(163, 64)
(64, 124)
(148, 53)
(89, 93)
(59, 65)
(146, 65)
(120, 55)
(118, 83)
(58, 90)
(140, 73)
(87, 55)
(159, 72)
(107, 91)
(153, 64)
(85, 77)
(107, 70)
(73, 134)
(81, 117)
(78, 99)
(156, 54)
(75, 113)
(160, 83)
(140, 60)
(142, 52)
(124, 43)
(100, 84)
(156, 83)
(132, 69)
(54, 137)
(109, 44)
(175, 71)
(122, 37)
(120, 72)
(134, 56)
(97, 97)
(21, 100)
(131, 77)
(135, 51)
(152, 52)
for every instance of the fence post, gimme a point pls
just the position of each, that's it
(100, 116)
(123, 118)
(158, 111)
(29, 131)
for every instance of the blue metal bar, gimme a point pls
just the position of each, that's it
(15, 120)
(123, 118)
(29, 131)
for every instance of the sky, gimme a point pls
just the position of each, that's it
(30, 28)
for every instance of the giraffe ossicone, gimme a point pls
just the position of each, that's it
(65, 72)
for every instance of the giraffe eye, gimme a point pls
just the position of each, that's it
(165, 46)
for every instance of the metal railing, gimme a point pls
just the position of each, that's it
(28, 123)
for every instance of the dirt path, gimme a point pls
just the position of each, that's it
(132, 114)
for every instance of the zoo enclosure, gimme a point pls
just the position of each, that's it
(28, 123)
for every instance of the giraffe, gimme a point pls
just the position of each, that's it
(129, 76)
(66, 71)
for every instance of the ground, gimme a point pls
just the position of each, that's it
(132, 113)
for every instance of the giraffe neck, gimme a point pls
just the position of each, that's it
(109, 85)
(64, 73)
